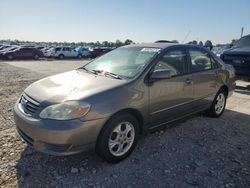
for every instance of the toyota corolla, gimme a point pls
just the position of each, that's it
(107, 103)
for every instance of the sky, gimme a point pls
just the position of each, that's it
(139, 20)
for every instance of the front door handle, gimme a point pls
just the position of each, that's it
(189, 81)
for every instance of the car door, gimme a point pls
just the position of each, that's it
(22, 53)
(170, 98)
(66, 52)
(70, 52)
(204, 74)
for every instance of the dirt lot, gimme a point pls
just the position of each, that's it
(198, 152)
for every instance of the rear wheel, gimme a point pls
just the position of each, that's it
(118, 138)
(218, 106)
(79, 56)
(36, 57)
(61, 56)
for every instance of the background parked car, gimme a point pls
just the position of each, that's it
(2, 47)
(220, 50)
(63, 52)
(47, 51)
(8, 48)
(83, 51)
(239, 57)
(22, 53)
(95, 52)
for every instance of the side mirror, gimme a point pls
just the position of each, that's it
(160, 74)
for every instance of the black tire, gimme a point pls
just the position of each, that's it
(10, 57)
(36, 56)
(102, 145)
(79, 56)
(61, 56)
(212, 112)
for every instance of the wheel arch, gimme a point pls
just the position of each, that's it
(225, 88)
(134, 112)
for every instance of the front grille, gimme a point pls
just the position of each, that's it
(28, 104)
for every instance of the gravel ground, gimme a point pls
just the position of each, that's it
(197, 152)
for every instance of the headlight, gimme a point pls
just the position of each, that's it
(66, 111)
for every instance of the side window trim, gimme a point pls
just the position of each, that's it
(218, 65)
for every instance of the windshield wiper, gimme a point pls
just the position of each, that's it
(106, 73)
(90, 71)
(112, 75)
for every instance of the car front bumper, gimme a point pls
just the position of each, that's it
(58, 137)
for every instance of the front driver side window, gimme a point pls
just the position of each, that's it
(174, 61)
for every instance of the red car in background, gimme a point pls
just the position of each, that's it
(93, 53)
(22, 53)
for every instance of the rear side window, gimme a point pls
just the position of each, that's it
(174, 61)
(66, 49)
(57, 49)
(200, 61)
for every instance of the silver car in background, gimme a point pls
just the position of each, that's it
(109, 102)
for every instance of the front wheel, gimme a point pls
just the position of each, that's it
(218, 106)
(118, 138)
(10, 57)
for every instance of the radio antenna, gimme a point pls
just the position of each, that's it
(188, 33)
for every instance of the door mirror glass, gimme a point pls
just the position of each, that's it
(160, 74)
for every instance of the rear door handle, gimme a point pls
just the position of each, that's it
(189, 81)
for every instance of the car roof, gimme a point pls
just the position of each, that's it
(153, 45)
(163, 45)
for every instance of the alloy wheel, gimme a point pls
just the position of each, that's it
(220, 103)
(121, 138)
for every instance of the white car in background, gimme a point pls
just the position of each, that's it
(63, 52)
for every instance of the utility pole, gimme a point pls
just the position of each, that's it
(242, 30)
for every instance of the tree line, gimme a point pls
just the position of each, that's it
(115, 44)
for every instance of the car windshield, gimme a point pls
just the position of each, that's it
(126, 62)
(243, 42)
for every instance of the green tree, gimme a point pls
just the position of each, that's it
(209, 44)
(98, 43)
(118, 43)
(175, 41)
(128, 41)
(105, 44)
(233, 42)
(193, 42)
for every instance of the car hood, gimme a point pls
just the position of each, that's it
(72, 85)
(238, 51)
